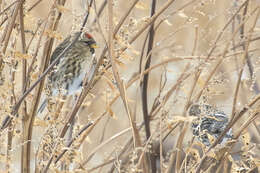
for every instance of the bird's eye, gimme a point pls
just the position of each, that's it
(87, 42)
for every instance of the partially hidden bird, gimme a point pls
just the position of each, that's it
(68, 74)
(209, 122)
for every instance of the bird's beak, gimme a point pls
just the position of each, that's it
(93, 45)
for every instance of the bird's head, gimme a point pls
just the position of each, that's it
(87, 39)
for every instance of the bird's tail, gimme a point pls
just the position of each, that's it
(42, 106)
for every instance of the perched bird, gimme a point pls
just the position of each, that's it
(209, 122)
(67, 75)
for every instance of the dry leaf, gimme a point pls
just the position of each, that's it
(180, 119)
(120, 63)
(201, 13)
(127, 57)
(111, 113)
(62, 9)
(20, 55)
(182, 14)
(110, 84)
(88, 140)
(195, 153)
(201, 81)
(133, 50)
(141, 5)
(130, 47)
(87, 103)
(39, 122)
(167, 22)
(53, 34)
(35, 75)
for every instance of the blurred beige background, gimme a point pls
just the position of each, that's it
(174, 38)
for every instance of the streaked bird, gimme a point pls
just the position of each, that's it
(210, 122)
(67, 75)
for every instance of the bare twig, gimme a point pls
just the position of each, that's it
(34, 5)
(105, 143)
(144, 87)
(244, 60)
(119, 82)
(25, 156)
(8, 7)
(73, 140)
(219, 61)
(101, 9)
(184, 126)
(246, 56)
(215, 45)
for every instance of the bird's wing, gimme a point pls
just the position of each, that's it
(59, 49)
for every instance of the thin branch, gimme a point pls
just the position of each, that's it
(106, 142)
(220, 60)
(101, 9)
(199, 71)
(7, 34)
(34, 5)
(246, 56)
(144, 84)
(119, 82)
(144, 87)
(73, 140)
(244, 60)
(8, 7)
(25, 156)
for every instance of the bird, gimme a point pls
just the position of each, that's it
(68, 74)
(209, 122)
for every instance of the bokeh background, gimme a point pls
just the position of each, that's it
(186, 34)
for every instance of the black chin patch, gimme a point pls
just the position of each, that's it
(92, 50)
